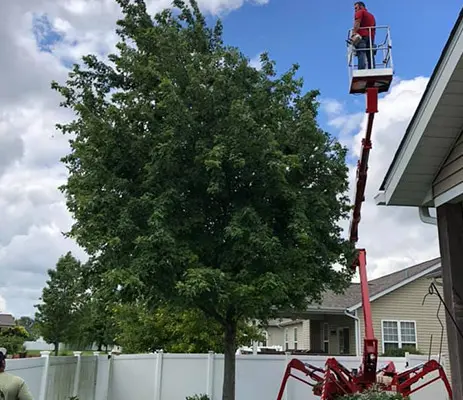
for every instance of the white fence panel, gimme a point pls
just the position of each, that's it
(182, 377)
(435, 390)
(132, 377)
(86, 387)
(102, 377)
(175, 376)
(30, 369)
(268, 375)
(61, 372)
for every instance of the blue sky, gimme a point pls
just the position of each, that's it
(313, 35)
(309, 33)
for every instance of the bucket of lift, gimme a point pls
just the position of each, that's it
(380, 73)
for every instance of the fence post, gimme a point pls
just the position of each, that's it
(407, 359)
(109, 380)
(158, 376)
(95, 375)
(210, 374)
(44, 383)
(254, 348)
(75, 392)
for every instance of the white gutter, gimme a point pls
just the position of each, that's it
(425, 216)
(357, 330)
(380, 198)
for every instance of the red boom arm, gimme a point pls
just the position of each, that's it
(370, 343)
(362, 165)
(335, 380)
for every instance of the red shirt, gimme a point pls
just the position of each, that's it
(366, 19)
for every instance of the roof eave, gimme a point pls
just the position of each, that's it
(398, 285)
(412, 134)
(326, 310)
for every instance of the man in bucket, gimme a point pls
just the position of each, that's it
(11, 387)
(363, 38)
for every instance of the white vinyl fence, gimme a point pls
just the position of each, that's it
(175, 376)
(60, 378)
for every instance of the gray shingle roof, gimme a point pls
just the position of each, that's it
(6, 320)
(352, 295)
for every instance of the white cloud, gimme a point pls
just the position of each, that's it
(332, 107)
(394, 237)
(32, 210)
(255, 62)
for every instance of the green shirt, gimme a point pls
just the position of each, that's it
(13, 388)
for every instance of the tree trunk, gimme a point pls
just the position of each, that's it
(56, 349)
(228, 389)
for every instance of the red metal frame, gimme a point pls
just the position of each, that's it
(336, 380)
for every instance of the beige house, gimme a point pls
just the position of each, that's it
(400, 318)
(6, 321)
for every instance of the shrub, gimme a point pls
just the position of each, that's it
(374, 394)
(400, 352)
(198, 397)
(13, 339)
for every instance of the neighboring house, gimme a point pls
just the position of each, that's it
(400, 319)
(6, 321)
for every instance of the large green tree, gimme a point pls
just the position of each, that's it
(198, 179)
(60, 302)
(141, 329)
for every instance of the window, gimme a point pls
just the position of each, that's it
(325, 337)
(295, 338)
(286, 339)
(398, 334)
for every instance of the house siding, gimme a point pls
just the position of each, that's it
(276, 334)
(335, 322)
(309, 333)
(405, 303)
(304, 341)
(451, 172)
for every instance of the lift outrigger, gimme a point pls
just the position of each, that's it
(334, 380)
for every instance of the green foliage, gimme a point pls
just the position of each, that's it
(198, 397)
(57, 314)
(29, 324)
(13, 339)
(374, 394)
(200, 181)
(400, 352)
(95, 322)
(173, 330)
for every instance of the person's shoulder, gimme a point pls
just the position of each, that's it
(13, 378)
(359, 14)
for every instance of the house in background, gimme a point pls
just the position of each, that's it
(6, 321)
(400, 319)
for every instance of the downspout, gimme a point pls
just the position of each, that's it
(357, 330)
(425, 216)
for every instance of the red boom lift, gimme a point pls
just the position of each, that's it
(335, 380)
